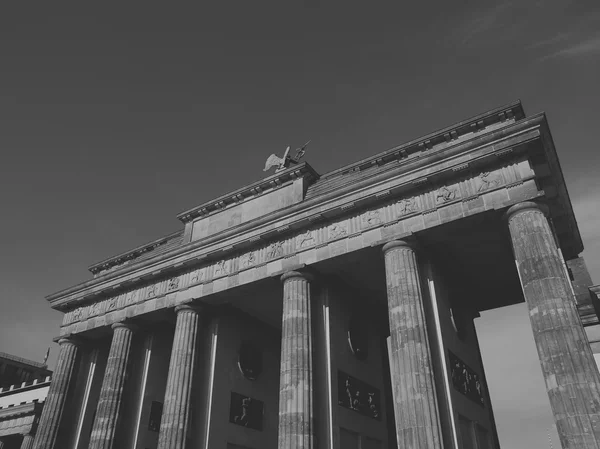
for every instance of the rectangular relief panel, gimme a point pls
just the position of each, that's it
(465, 380)
(246, 412)
(248, 210)
(356, 395)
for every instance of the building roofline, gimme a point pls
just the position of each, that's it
(23, 361)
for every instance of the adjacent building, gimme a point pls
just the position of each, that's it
(335, 310)
(24, 385)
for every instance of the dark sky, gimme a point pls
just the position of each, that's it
(113, 120)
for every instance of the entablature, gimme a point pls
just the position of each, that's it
(428, 177)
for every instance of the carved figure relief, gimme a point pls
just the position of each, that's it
(221, 268)
(152, 290)
(372, 217)
(406, 206)
(76, 314)
(274, 250)
(173, 284)
(247, 260)
(465, 380)
(358, 396)
(337, 230)
(245, 411)
(305, 240)
(131, 297)
(111, 304)
(197, 276)
(95, 309)
(445, 194)
(488, 180)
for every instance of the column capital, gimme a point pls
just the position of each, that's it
(297, 274)
(70, 339)
(525, 206)
(189, 307)
(126, 324)
(399, 244)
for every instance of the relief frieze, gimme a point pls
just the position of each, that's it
(248, 260)
(488, 180)
(388, 213)
(111, 304)
(173, 284)
(197, 276)
(445, 194)
(407, 206)
(221, 268)
(372, 218)
(306, 239)
(338, 230)
(152, 291)
(131, 297)
(274, 250)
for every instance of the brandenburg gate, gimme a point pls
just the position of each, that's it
(335, 311)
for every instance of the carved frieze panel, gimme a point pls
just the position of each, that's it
(274, 250)
(248, 260)
(357, 395)
(445, 194)
(197, 276)
(173, 284)
(306, 239)
(407, 206)
(245, 411)
(372, 218)
(221, 268)
(392, 211)
(488, 180)
(338, 230)
(465, 380)
(111, 304)
(151, 291)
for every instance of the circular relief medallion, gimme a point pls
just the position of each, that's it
(358, 338)
(250, 361)
(458, 323)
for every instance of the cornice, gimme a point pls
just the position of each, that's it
(478, 123)
(445, 136)
(133, 253)
(328, 204)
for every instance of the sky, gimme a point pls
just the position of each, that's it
(113, 120)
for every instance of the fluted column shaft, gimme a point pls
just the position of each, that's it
(296, 427)
(415, 402)
(110, 401)
(27, 442)
(175, 419)
(568, 366)
(50, 419)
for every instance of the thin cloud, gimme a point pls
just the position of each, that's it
(588, 47)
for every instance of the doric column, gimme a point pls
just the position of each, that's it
(27, 442)
(111, 394)
(568, 366)
(47, 431)
(415, 404)
(175, 419)
(296, 427)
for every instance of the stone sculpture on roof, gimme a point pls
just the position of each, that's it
(281, 163)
